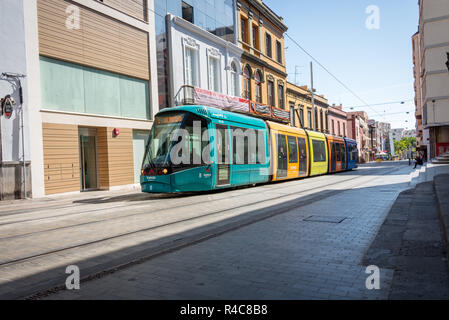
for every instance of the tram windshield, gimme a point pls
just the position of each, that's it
(184, 131)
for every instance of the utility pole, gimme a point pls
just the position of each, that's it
(17, 78)
(313, 98)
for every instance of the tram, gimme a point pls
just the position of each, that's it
(198, 148)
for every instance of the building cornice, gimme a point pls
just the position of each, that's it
(267, 12)
(254, 59)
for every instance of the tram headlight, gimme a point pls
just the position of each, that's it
(165, 171)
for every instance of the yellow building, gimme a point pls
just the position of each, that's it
(261, 36)
(299, 103)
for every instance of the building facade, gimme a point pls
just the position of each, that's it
(434, 73)
(337, 121)
(358, 130)
(89, 96)
(216, 17)
(208, 62)
(261, 36)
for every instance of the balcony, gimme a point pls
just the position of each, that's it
(189, 95)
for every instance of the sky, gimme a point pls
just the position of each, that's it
(375, 63)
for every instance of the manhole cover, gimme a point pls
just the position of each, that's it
(329, 219)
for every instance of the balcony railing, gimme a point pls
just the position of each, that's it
(189, 95)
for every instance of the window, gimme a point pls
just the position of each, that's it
(338, 125)
(309, 118)
(247, 146)
(244, 33)
(316, 119)
(338, 151)
(270, 87)
(279, 51)
(268, 45)
(256, 37)
(234, 81)
(292, 150)
(301, 116)
(344, 129)
(321, 121)
(258, 86)
(302, 151)
(319, 151)
(187, 12)
(190, 67)
(246, 83)
(333, 126)
(214, 74)
(281, 96)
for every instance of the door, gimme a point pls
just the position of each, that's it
(88, 159)
(140, 138)
(302, 157)
(223, 155)
(282, 156)
(333, 157)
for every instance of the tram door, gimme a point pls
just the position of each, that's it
(223, 155)
(302, 157)
(333, 157)
(282, 156)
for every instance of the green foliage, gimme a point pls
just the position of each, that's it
(404, 144)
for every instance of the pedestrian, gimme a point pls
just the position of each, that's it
(419, 160)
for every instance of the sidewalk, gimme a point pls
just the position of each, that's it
(410, 243)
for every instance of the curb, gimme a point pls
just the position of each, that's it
(443, 209)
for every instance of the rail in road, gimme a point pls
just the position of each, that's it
(42, 242)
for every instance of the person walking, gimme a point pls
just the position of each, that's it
(419, 160)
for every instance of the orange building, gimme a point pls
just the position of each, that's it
(261, 36)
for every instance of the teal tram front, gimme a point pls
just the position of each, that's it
(198, 148)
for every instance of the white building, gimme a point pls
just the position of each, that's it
(201, 59)
(434, 64)
(397, 133)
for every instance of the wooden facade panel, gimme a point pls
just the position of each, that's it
(61, 158)
(120, 156)
(134, 8)
(101, 42)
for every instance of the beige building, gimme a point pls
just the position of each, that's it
(299, 103)
(433, 79)
(91, 95)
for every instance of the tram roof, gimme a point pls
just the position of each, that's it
(215, 113)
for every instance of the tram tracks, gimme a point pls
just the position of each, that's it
(56, 278)
(139, 205)
(154, 227)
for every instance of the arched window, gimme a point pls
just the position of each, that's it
(234, 81)
(258, 86)
(246, 82)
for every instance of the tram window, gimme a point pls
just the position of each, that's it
(338, 151)
(260, 147)
(343, 153)
(244, 145)
(319, 151)
(292, 150)
(196, 144)
(302, 150)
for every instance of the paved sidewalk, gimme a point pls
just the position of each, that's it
(410, 244)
